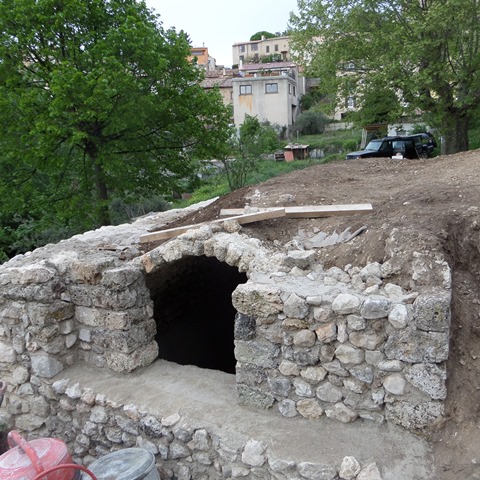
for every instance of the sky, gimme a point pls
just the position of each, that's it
(218, 24)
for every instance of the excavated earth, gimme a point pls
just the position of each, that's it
(436, 202)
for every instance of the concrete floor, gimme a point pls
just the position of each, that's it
(207, 398)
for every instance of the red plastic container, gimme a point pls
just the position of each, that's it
(26, 460)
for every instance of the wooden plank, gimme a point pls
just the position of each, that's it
(314, 211)
(311, 211)
(241, 219)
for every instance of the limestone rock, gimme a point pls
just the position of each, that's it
(309, 408)
(375, 307)
(346, 303)
(400, 316)
(432, 312)
(304, 338)
(295, 307)
(45, 366)
(429, 378)
(394, 384)
(414, 416)
(416, 346)
(341, 413)
(370, 472)
(349, 354)
(315, 471)
(329, 393)
(349, 468)
(326, 333)
(254, 453)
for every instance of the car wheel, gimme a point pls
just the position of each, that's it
(423, 155)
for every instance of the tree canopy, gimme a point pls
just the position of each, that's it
(411, 48)
(263, 33)
(97, 102)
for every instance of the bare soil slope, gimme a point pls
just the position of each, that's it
(436, 199)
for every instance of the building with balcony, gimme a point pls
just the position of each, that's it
(269, 91)
(253, 51)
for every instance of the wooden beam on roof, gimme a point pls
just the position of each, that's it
(241, 219)
(311, 211)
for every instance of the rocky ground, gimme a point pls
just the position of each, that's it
(436, 204)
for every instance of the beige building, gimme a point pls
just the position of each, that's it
(269, 91)
(254, 51)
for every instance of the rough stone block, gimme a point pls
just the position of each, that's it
(45, 366)
(341, 413)
(375, 307)
(414, 416)
(257, 300)
(432, 312)
(416, 346)
(245, 327)
(256, 352)
(254, 397)
(122, 362)
(349, 354)
(429, 378)
(315, 471)
(346, 303)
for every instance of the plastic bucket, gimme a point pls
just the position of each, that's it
(127, 464)
(25, 459)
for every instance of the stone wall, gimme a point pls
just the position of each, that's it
(93, 425)
(344, 343)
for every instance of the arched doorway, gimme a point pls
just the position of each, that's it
(194, 312)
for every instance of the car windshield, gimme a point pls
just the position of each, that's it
(374, 145)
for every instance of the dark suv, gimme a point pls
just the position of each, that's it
(419, 145)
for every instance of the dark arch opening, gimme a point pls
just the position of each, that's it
(194, 313)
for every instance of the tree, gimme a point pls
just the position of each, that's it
(412, 48)
(259, 35)
(254, 139)
(376, 105)
(98, 101)
(310, 122)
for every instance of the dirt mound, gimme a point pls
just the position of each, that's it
(437, 203)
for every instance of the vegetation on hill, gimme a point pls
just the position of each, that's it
(409, 48)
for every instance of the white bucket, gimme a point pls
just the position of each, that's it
(127, 464)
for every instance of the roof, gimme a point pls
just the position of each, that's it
(261, 40)
(221, 82)
(267, 66)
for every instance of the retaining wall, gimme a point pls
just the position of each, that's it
(345, 343)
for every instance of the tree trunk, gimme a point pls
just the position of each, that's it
(456, 134)
(103, 215)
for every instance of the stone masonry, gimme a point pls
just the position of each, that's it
(346, 342)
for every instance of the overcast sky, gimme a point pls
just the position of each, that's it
(218, 24)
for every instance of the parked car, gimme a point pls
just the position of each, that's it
(419, 145)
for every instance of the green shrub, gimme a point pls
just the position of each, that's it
(124, 212)
(310, 123)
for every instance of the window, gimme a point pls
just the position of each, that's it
(289, 88)
(294, 90)
(276, 48)
(242, 48)
(350, 102)
(245, 89)
(267, 49)
(254, 47)
(241, 58)
(271, 88)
